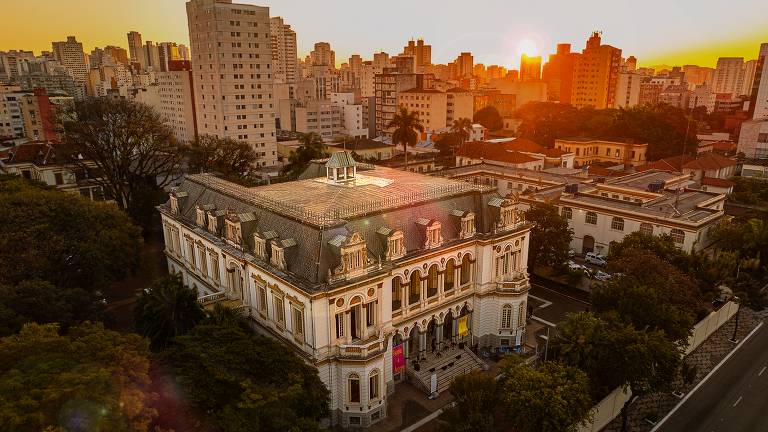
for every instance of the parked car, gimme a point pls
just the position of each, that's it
(571, 253)
(595, 258)
(601, 275)
(574, 266)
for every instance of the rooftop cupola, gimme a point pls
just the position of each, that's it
(341, 167)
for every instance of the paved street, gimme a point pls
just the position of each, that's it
(552, 306)
(734, 398)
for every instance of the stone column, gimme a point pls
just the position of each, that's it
(439, 336)
(422, 342)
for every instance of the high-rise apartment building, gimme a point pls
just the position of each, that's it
(284, 58)
(70, 54)
(464, 65)
(381, 61)
(750, 67)
(153, 56)
(729, 75)
(323, 55)
(388, 86)
(558, 74)
(628, 89)
(595, 75)
(421, 51)
(697, 75)
(759, 100)
(232, 72)
(530, 68)
(136, 49)
(176, 99)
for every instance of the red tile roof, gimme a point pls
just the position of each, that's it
(717, 182)
(495, 152)
(724, 146)
(674, 163)
(709, 161)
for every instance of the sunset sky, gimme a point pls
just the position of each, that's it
(656, 32)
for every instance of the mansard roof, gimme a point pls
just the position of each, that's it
(314, 213)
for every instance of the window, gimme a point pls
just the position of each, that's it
(339, 325)
(233, 232)
(200, 217)
(259, 247)
(262, 299)
(432, 281)
(678, 236)
(567, 213)
(278, 258)
(466, 270)
(203, 262)
(434, 239)
(646, 228)
(191, 253)
(449, 277)
(395, 247)
(277, 302)
(354, 389)
(370, 314)
(297, 322)
(373, 385)
(215, 267)
(397, 290)
(59, 178)
(506, 316)
(521, 315)
(617, 223)
(468, 225)
(414, 289)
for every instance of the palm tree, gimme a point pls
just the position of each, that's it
(311, 147)
(462, 128)
(227, 317)
(406, 124)
(167, 309)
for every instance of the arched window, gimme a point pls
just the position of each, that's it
(646, 228)
(466, 270)
(617, 223)
(567, 213)
(677, 235)
(449, 276)
(353, 388)
(414, 290)
(432, 281)
(506, 316)
(373, 385)
(397, 294)
(591, 218)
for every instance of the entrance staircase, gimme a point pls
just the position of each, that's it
(450, 364)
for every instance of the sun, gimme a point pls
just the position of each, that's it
(527, 47)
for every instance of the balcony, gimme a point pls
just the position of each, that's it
(361, 349)
(515, 282)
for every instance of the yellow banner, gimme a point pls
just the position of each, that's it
(463, 327)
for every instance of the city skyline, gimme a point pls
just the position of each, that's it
(536, 32)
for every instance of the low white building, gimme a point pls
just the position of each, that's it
(369, 273)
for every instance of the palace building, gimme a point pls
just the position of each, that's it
(373, 275)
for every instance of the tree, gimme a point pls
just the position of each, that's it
(663, 246)
(125, 147)
(167, 309)
(476, 400)
(62, 238)
(406, 124)
(232, 159)
(551, 398)
(550, 237)
(615, 354)
(651, 293)
(41, 302)
(90, 379)
(311, 147)
(489, 117)
(447, 144)
(221, 370)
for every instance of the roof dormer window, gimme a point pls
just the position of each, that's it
(174, 205)
(200, 217)
(232, 232)
(434, 236)
(468, 225)
(259, 247)
(278, 256)
(212, 223)
(395, 245)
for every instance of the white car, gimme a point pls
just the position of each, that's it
(596, 259)
(574, 266)
(601, 275)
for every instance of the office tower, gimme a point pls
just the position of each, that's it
(558, 74)
(70, 55)
(750, 68)
(421, 51)
(595, 75)
(232, 51)
(284, 58)
(323, 55)
(136, 49)
(530, 68)
(729, 75)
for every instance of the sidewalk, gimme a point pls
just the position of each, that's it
(704, 358)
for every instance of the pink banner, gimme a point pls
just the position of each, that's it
(398, 359)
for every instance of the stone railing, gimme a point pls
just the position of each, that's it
(516, 282)
(212, 298)
(361, 349)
